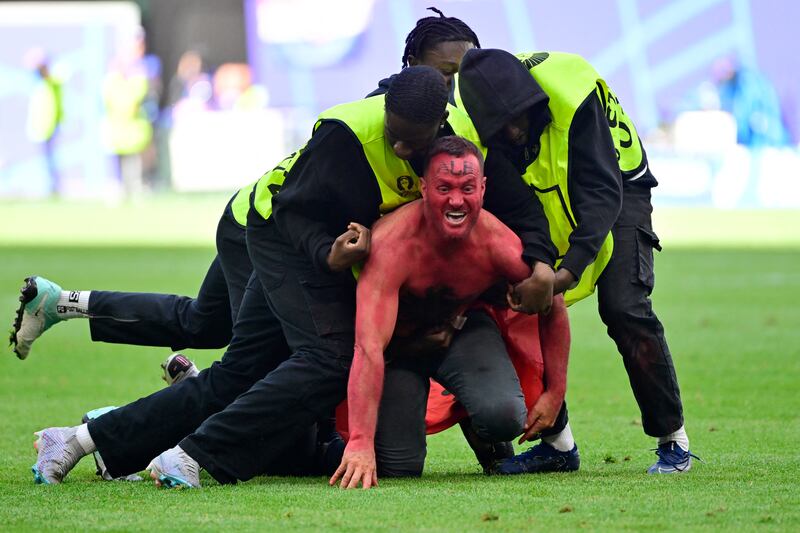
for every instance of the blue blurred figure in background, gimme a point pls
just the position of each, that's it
(752, 100)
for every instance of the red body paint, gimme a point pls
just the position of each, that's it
(444, 242)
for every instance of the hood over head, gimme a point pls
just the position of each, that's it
(496, 87)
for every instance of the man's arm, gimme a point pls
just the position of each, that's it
(515, 204)
(554, 337)
(376, 314)
(329, 187)
(595, 188)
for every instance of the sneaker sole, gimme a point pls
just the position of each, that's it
(173, 482)
(27, 294)
(38, 478)
(674, 470)
(167, 481)
(496, 472)
(564, 468)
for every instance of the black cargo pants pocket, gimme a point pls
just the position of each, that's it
(646, 241)
(332, 304)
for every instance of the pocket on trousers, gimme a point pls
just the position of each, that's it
(332, 305)
(646, 241)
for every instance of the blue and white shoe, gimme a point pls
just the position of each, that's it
(538, 459)
(672, 459)
(58, 453)
(102, 471)
(36, 314)
(174, 469)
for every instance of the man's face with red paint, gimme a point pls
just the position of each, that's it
(452, 194)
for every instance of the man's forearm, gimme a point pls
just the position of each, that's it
(364, 390)
(554, 336)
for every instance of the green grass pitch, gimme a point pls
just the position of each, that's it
(732, 321)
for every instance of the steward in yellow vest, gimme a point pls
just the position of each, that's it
(382, 173)
(577, 182)
(557, 120)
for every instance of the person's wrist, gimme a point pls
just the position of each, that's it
(333, 264)
(359, 442)
(565, 280)
(557, 393)
(540, 267)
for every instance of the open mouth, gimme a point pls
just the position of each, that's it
(455, 217)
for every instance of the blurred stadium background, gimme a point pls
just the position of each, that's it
(125, 127)
(155, 98)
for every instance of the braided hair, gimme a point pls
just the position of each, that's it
(431, 31)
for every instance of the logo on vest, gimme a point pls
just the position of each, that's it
(534, 59)
(405, 185)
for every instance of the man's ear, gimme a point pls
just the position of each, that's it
(423, 186)
(412, 61)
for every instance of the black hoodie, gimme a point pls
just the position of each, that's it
(496, 88)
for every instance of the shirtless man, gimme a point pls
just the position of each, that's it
(436, 256)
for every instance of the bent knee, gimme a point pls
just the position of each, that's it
(500, 421)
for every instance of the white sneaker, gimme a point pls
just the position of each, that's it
(174, 469)
(36, 314)
(58, 453)
(178, 367)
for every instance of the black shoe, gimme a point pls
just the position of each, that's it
(328, 455)
(487, 453)
(540, 458)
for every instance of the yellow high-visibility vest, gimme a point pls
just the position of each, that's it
(398, 182)
(568, 79)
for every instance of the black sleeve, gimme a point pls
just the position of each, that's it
(595, 184)
(514, 203)
(328, 187)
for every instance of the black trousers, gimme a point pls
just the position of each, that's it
(132, 435)
(316, 311)
(475, 368)
(149, 319)
(624, 291)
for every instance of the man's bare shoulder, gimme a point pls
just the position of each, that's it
(393, 246)
(504, 246)
(491, 229)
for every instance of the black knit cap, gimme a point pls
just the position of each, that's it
(495, 88)
(418, 94)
